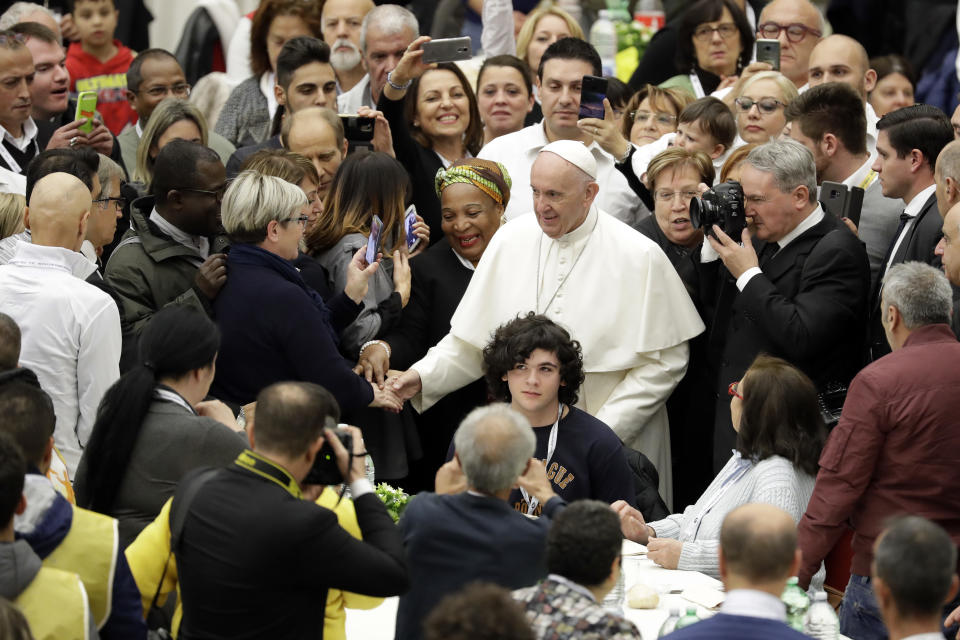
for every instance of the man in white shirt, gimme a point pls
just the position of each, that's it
(341, 21)
(839, 58)
(914, 575)
(908, 144)
(829, 121)
(386, 33)
(562, 68)
(19, 142)
(71, 329)
(758, 552)
(610, 286)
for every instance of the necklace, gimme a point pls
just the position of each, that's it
(572, 267)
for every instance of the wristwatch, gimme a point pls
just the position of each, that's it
(398, 87)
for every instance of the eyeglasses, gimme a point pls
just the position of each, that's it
(181, 90)
(726, 30)
(218, 194)
(734, 389)
(118, 203)
(668, 196)
(765, 105)
(661, 118)
(301, 220)
(796, 32)
(12, 39)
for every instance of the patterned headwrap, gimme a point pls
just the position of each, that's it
(488, 176)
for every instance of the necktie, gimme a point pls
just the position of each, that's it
(769, 250)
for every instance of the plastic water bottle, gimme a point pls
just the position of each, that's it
(821, 621)
(613, 601)
(670, 624)
(689, 618)
(797, 602)
(650, 13)
(603, 37)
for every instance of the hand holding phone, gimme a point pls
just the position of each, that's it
(86, 110)
(373, 241)
(447, 50)
(410, 219)
(593, 90)
(768, 50)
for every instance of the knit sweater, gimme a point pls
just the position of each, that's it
(773, 480)
(245, 117)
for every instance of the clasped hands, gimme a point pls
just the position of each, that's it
(390, 388)
(664, 551)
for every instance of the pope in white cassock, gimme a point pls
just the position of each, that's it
(613, 289)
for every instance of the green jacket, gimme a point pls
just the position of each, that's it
(149, 271)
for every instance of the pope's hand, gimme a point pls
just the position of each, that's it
(407, 385)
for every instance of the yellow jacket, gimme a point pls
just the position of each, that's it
(69, 619)
(149, 552)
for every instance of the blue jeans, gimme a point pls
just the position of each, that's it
(860, 615)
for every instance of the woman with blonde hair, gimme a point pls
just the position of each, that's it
(543, 27)
(173, 118)
(11, 214)
(760, 106)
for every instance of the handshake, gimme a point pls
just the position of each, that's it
(390, 388)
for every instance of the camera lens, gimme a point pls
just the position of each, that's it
(696, 212)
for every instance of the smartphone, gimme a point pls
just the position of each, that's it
(769, 51)
(86, 110)
(842, 202)
(410, 219)
(592, 92)
(447, 50)
(373, 242)
(356, 128)
(324, 469)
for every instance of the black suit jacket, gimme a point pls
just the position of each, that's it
(918, 245)
(809, 307)
(453, 540)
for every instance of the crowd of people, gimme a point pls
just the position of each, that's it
(675, 324)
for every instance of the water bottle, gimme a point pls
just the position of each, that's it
(650, 13)
(671, 622)
(603, 37)
(821, 621)
(797, 602)
(613, 601)
(689, 618)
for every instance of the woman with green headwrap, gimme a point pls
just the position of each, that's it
(473, 194)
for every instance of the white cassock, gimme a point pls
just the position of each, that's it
(616, 293)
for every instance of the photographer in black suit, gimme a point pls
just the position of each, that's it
(796, 287)
(909, 140)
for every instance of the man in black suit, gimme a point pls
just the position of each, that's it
(795, 288)
(454, 539)
(909, 140)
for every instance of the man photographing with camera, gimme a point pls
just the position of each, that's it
(792, 284)
(255, 556)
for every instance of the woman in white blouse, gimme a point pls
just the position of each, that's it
(779, 437)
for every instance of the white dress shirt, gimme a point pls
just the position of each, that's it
(11, 182)
(754, 604)
(913, 210)
(356, 97)
(71, 336)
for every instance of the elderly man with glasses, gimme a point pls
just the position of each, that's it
(798, 25)
(154, 75)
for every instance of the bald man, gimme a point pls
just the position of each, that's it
(758, 552)
(840, 58)
(946, 174)
(317, 134)
(71, 329)
(341, 20)
(795, 49)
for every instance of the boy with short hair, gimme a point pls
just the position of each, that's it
(533, 364)
(99, 63)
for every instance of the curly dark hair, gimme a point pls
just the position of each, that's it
(781, 415)
(479, 611)
(514, 341)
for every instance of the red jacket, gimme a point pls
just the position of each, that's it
(108, 79)
(896, 450)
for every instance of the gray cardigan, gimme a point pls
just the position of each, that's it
(245, 117)
(172, 441)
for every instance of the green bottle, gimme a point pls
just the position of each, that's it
(797, 602)
(687, 619)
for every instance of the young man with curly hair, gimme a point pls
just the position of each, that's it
(533, 364)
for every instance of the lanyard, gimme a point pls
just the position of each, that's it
(11, 163)
(531, 501)
(697, 85)
(868, 180)
(692, 527)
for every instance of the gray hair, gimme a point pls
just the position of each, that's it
(109, 170)
(389, 18)
(494, 444)
(791, 164)
(916, 559)
(253, 200)
(18, 10)
(920, 292)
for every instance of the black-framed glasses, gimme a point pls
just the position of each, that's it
(796, 32)
(218, 194)
(179, 90)
(301, 220)
(118, 203)
(726, 30)
(661, 118)
(764, 105)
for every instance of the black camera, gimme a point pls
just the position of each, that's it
(723, 206)
(324, 469)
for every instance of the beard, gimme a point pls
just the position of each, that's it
(344, 60)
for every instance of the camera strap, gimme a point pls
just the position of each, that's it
(258, 465)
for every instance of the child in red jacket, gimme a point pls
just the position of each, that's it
(99, 63)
